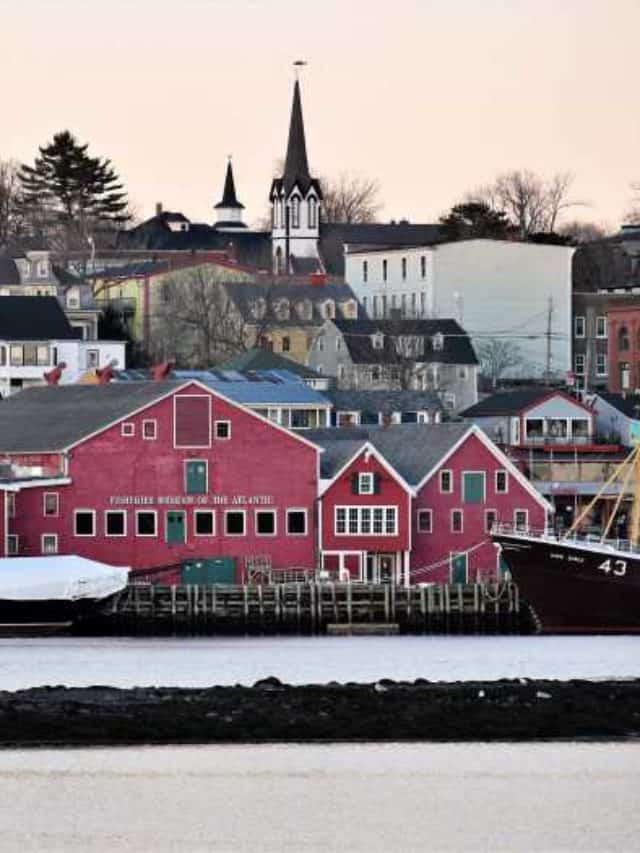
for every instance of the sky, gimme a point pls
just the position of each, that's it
(430, 97)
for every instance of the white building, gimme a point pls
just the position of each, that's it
(495, 289)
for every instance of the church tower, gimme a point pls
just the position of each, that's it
(229, 210)
(296, 200)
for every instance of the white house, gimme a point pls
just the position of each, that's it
(496, 289)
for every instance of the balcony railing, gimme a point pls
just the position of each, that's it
(585, 540)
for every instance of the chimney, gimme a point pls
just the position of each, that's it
(158, 208)
(52, 377)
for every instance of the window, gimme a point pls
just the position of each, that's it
(624, 372)
(365, 484)
(365, 271)
(93, 358)
(296, 522)
(43, 269)
(578, 364)
(490, 518)
(115, 522)
(223, 430)
(623, 338)
(403, 266)
(11, 505)
(601, 327)
(295, 212)
(204, 522)
(423, 267)
(146, 523)
(50, 504)
(286, 344)
(414, 303)
(13, 544)
(438, 342)
(521, 519)
(462, 372)
(384, 270)
(602, 368)
(192, 420)
(425, 521)
(149, 430)
(329, 310)
(195, 471)
(502, 482)
(456, 521)
(473, 487)
(366, 520)
(377, 340)
(579, 327)
(265, 522)
(85, 522)
(16, 355)
(234, 522)
(446, 482)
(312, 207)
(365, 308)
(128, 429)
(49, 543)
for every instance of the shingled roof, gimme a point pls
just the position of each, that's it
(358, 334)
(385, 402)
(334, 236)
(33, 318)
(510, 402)
(264, 359)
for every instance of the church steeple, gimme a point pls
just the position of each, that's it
(296, 165)
(229, 210)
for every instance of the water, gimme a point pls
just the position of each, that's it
(200, 662)
(361, 798)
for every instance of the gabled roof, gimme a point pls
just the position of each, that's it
(513, 402)
(263, 359)
(626, 404)
(385, 402)
(229, 194)
(334, 236)
(357, 334)
(413, 450)
(33, 318)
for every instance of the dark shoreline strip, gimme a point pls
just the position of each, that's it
(271, 712)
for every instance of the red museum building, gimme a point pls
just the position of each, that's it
(151, 475)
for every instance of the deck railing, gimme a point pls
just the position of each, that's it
(548, 534)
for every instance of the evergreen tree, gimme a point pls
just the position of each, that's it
(475, 219)
(69, 193)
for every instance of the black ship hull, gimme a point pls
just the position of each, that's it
(575, 587)
(63, 612)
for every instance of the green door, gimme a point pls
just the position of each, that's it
(473, 487)
(196, 477)
(458, 568)
(175, 528)
(504, 567)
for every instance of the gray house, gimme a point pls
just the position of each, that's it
(617, 417)
(397, 354)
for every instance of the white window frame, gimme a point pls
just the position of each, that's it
(605, 325)
(526, 515)
(13, 544)
(452, 530)
(154, 424)
(579, 326)
(306, 520)
(204, 462)
(127, 429)
(53, 536)
(76, 512)
(358, 510)
(121, 512)
(210, 512)
(579, 363)
(153, 535)
(604, 372)
(422, 512)
(243, 512)
(271, 512)
(222, 437)
(46, 495)
(366, 477)
(504, 491)
(440, 475)
(494, 512)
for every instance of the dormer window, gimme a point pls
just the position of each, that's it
(43, 269)
(377, 340)
(282, 309)
(438, 342)
(295, 212)
(329, 309)
(304, 309)
(73, 298)
(313, 212)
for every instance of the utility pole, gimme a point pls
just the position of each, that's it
(547, 372)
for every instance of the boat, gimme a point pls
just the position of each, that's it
(579, 581)
(54, 591)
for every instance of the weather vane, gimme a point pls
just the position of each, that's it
(299, 65)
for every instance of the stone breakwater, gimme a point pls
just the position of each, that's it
(274, 712)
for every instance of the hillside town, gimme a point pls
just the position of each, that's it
(359, 400)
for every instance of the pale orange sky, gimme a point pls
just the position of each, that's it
(432, 98)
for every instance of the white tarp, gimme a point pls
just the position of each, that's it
(60, 578)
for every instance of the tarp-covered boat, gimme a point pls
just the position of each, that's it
(55, 588)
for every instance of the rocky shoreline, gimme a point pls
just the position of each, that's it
(274, 712)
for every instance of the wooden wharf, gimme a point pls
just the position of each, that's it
(309, 607)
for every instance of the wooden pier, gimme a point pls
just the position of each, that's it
(310, 607)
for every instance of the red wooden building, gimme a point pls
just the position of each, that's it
(153, 474)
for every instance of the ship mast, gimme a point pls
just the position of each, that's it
(635, 506)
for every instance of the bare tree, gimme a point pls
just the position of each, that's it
(532, 204)
(498, 355)
(11, 220)
(350, 198)
(633, 214)
(583, 232)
